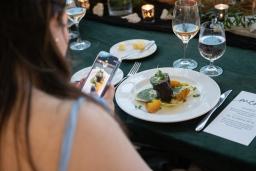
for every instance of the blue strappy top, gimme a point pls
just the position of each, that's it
(70, 132)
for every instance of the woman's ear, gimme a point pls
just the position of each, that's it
(59, 33)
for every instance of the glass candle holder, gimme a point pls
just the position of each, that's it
(148, 12)
(222, 11)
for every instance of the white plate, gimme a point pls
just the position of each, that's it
(192, 108)
(84, 72)
(114, 50)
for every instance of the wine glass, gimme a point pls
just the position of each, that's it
(75, 14)
(72, 34)
(185, 25)
(212, 45)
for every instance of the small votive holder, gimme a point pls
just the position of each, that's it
(148, 12)
(222, 11)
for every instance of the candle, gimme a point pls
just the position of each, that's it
(222, 10)
(148, 12)
(84, 4)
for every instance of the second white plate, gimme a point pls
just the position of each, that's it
(128, 45)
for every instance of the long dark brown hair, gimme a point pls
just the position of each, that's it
(28, 58)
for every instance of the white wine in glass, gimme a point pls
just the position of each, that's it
(185, 25)
(185, 31)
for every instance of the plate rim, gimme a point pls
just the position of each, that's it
(145, 56)
(169, 121)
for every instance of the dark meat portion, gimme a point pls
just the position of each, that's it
(163, 88)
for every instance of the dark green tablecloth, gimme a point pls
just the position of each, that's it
(180, 138)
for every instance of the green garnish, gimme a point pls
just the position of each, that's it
(158, 77)
(138, 106)
(146, 95)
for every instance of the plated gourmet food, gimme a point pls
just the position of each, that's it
(97, 81)
(164, 93)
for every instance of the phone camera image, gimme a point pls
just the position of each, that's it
(101, 73)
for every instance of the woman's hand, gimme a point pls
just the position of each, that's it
(79, 84)
(109, 97)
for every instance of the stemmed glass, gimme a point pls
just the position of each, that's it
(75, 14)
(72, 34)
(212, 45)
(185, 25)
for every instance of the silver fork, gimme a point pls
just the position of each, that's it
(135, 68)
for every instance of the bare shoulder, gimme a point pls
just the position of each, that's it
(100, 144)
(47, 124)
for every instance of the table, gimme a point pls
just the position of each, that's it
(179, 138)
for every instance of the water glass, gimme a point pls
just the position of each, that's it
(212, 45)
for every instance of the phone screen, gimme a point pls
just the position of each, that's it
(101, 73)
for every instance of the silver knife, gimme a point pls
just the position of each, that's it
(202, 124)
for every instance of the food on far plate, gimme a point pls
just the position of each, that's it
(139, 45)
(165, 92)
(121, 47)
(136, 45)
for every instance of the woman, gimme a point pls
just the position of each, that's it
(45, 123)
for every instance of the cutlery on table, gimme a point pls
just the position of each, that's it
(135, 68)
(202, 123)
(147, 47)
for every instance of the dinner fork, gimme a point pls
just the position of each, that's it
(135, 68)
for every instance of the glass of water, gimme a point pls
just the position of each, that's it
(212, 45)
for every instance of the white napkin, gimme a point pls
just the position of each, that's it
(98, 9)
(166, 15)
(132, 18)
(253, 28)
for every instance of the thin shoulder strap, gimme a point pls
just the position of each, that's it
(69, 135)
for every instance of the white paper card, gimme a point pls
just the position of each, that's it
(237, 122)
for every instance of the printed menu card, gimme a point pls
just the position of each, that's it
(237, 122)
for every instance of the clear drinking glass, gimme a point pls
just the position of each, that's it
(212, 45)
(72, 34)
(185, 25)
(119, 7)
(75, 14)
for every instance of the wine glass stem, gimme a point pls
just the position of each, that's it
(185, 45)
(211, 64)
(78, 33)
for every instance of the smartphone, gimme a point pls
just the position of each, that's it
(101, 73)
